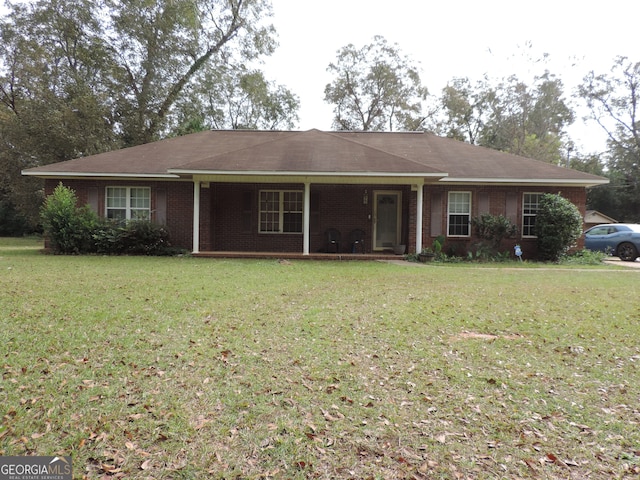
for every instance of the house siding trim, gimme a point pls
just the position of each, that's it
(338, 179)
(521, 182)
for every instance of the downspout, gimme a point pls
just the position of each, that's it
(196, 216)
(419, 207)
(305, 218)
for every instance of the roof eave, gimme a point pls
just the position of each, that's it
(253, 173)
(573, 182)
(50, 174)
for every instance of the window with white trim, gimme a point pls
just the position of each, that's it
(281, 211)
(459, 214)
(530, 204)
(128, 203)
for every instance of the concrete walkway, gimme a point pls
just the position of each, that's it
(616, 261)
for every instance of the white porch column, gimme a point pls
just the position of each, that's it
(306, 222)
(196, 216)
(419, 205)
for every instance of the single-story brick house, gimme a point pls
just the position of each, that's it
(285, 191)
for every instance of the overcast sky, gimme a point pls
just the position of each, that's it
(463, 38)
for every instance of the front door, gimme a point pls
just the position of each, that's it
(387, 219)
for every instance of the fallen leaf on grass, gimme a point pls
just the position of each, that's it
(551, 458)
(531, 464)
(426, 466)
(329, 417)
(146, 464)
(110, 468)
(331, 388)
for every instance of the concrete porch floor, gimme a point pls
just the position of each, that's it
(300, 256)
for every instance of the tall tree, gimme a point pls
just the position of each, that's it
(162, 45)
(464, 108)
(613, 100)
(375, 88)
(511, 116)
(236, 97)
(52, 106)
(79, 77)
(528, 120)
(132, 58)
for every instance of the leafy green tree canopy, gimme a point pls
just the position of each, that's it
(375, 88)
(236, 97)
(123, 63)
(613, 100)
(79, 77)
(510, 116)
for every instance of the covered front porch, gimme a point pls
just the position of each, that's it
(229, 216)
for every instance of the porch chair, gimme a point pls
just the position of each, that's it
(333, 240)
(356, 240)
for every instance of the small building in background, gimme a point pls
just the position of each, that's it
(594, 217)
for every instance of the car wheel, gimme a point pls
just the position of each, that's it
(627, 252)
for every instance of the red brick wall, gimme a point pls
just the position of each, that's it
(497, 199)
(179, 206)
(229, 212)
(332, 206)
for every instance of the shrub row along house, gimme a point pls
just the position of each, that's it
(284, 191)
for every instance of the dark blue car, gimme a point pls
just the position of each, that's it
(619, 239)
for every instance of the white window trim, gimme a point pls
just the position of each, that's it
(281, 212)
(449, 213)
(539, 194)
(127, 207)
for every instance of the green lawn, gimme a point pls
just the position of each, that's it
(183, 368)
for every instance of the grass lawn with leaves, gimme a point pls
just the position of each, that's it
(186, 368)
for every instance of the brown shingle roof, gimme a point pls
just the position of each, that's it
(310, 152)
(316, 152)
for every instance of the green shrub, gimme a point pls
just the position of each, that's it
(68, 227)
(137, 237)
(141, 237)
(493, 229)
(73, 229)
(106, 238)
(558, 226)
(583, 257)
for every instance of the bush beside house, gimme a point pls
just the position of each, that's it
(73, 229)
(558, 226)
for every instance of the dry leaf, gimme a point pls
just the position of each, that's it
(109, 468)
